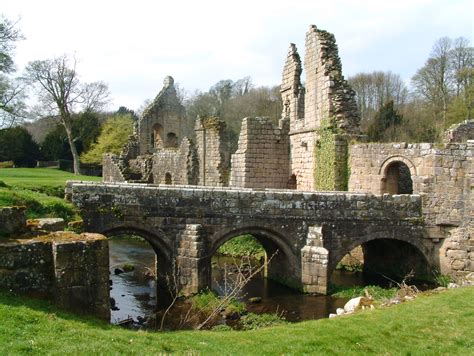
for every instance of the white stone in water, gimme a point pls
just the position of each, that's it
(339, 311)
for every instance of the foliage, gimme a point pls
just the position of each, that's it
(326, 162)
(374, 90)
(387, 117)
(232, 101)
(85, 130)
(7, 164)
(378, 293)
(113, 136)
(17, 145)
(252, 321)
(441, 280)
(440, 323)
(243, 245)
(207, 301)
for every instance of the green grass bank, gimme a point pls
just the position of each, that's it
(41, 190)
(435, 323)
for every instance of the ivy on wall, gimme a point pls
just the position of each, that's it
(331, 158)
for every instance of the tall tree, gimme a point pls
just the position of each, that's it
(434, 80)
(61, 93)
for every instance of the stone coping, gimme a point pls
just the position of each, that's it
(59, 236)
(165, 187)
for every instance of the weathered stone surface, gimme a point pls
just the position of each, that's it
(12, 220)
(69, 268)
(311, 231)
(461, 132)
(50, 224)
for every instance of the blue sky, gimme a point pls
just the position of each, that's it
(133, 45)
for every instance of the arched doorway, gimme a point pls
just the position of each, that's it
(397, 179)
(168, 178)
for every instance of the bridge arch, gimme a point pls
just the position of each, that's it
(387, 250)
(284, 266)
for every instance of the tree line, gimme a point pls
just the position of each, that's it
(439, 94)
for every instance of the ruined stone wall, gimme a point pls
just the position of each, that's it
(329, 104)
(461, 132)
(72, 269)
(213, 152)
(167, 113)
(292, 91)
(261, 160)
(112, 168)
(176, 166)
(442, 176)
(327, 93)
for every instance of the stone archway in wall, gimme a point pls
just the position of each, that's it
(397, 174)
(388, 254)
(283, 265)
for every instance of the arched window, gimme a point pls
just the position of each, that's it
(168, 178)
(292, 182)
(171, 140)
(397, 179)
(157, 136)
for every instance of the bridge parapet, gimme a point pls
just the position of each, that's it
(196, 201)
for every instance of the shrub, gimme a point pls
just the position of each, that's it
(378, 293)
(7, 164)
(243, 245)
(253, 321)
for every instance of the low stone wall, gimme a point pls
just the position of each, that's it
(12, 219)
(69, 268)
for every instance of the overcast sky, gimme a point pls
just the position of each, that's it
(133, 45)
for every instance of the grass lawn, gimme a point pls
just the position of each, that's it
(442, 323)
(40, 190)
(44, 180)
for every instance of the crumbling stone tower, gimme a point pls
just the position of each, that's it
(323, 115)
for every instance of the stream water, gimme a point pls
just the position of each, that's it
(135, 296)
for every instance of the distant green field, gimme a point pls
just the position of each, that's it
(46, 180)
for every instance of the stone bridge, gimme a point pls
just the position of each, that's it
(308, 233)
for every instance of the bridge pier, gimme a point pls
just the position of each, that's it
(314, 262)
(192, 267)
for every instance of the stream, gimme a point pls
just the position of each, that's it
(135, 296)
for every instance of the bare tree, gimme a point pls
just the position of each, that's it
(61, 93)
(375, 89)
(12, 105)
(434, 80)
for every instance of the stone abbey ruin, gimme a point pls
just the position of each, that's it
(310, 187)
